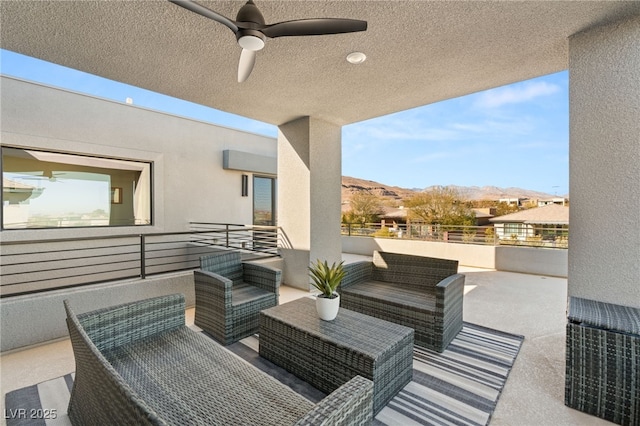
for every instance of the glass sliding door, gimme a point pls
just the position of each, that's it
(264, 201)
(264, 213)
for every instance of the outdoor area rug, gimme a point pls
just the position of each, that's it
(459, 386)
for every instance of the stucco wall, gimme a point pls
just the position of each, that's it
(33, 319)
(527, 260)
(532, 260)
(466, 254)
(604, 152)
(189, 181)
(309, 170)
(189, 184)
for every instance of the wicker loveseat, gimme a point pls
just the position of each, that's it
(139, 364)
(423, 293)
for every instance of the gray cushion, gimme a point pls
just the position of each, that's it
(394, 294)
(607, 316)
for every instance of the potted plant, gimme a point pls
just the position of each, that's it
(326, 279)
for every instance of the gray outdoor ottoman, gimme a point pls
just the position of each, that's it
(603, 360)
(326, 354)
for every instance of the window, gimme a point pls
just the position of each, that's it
(264, 201)
(52, 190)
(512, 229)
(551, 232)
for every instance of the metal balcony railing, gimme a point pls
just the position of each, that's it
(40, 265)
(511, 234)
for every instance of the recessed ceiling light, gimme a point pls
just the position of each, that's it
(356, 57)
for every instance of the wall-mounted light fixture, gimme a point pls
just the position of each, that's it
(245, 185)
(116, 195)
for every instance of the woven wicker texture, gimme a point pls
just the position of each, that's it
(603, 360)
(604, 315)
(230, 295)
(173, 375)
(423, 293)
(327, 354)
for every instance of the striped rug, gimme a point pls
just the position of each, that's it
(460, 386)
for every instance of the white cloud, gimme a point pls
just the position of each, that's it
(406, 127)
(515, 94)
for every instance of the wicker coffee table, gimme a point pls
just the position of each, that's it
(326, 354)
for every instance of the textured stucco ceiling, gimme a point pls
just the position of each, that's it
(418, 52)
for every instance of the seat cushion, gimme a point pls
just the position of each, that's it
(189, 379)
(606, 316)
(246, 293)
(394, 294)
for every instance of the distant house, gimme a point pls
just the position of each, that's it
(513, 201)
(16, 196)
(394, 215)
(484, 215)
(548, 224)
(561, 201)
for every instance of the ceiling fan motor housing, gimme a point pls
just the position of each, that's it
(250, 20)
(250, 39)
(250, 13)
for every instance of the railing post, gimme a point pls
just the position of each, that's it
(227, 235)
(143, 268)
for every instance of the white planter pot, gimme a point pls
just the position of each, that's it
(327, 308)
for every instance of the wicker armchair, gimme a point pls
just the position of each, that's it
(230, 295)
(423, 293)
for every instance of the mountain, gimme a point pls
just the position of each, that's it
(351, 185)
(496, 193)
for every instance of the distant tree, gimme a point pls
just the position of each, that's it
(365, 208)
(505, 208)
(441, 205)
(480, 204)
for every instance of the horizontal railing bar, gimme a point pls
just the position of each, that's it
(68, 250)
(119, 262)
(101, 237)
(71, 276)
(66, 259)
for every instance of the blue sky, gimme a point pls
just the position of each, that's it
(511, 136)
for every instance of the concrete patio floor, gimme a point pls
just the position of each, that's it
(529, 305)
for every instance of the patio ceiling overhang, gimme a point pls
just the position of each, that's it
(417, 52)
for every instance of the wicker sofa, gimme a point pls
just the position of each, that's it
(603, 360)
(423, 293)
(138, 363)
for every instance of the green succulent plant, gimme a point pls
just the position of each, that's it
(326, 278)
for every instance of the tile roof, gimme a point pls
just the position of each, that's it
(550, 214)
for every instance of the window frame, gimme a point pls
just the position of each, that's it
(146, 169)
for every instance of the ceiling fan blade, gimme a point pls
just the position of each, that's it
(207, 13)
(317, 26)
(245, 66)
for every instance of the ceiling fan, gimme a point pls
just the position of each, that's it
(251, 30)
(49, 175)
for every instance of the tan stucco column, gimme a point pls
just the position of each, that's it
(604, 160)
(309, 188)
